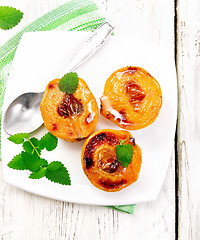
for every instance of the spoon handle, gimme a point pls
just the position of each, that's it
(88, 48)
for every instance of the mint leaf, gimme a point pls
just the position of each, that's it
(9, 17)
(43, 162)
(38, 174)
(18, 138)
(32, 162)
(53, 166)
(17, 163)
(69, 83)
(124, 154)
(56, 172)
(32, 146)
(48, 141)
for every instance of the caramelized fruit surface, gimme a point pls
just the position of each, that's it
(132, 98)
(100, 164)
(71, 117)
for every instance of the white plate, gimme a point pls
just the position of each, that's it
(38, 60)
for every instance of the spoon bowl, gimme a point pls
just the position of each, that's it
(23, 114)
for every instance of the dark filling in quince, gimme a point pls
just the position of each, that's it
(135, 92)
(70, 106)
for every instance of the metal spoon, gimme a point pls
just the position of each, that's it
(23, 114)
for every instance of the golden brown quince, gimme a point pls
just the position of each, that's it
(71, 117)
(132, 98)
(100, 163)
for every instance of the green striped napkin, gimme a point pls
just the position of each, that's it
(74, 15)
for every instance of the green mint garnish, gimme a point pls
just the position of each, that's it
(39, 174)
(48, 141)
(30, 158)
(124, 153)
(69, 83)
(43, 162)
(9, 17)
(32, 146)
(17, 163)
(31, 161)
(56, 172)
(53, 166)
(18, 138)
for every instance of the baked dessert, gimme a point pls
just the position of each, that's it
(71, 117)
(132, 98)
(101, 164)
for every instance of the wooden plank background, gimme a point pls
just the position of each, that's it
(188, 68)
(173, 26)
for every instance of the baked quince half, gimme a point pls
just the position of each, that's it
(102, 165)
(71, 117)
(132, 98)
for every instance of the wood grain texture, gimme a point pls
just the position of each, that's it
(188, 58)
(25, 216)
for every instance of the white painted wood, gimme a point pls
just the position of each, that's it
(25, 216)
(188, 56)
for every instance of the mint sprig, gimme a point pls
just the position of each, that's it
(30, 158)
(69, 83)
(9, 17)
(124, 153)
